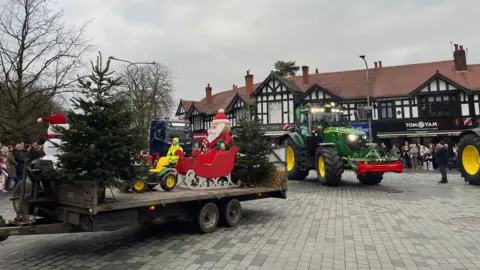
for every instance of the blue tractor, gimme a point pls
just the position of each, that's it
(163, 130)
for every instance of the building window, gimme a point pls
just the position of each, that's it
(439, 105)
(197, 123)
(275, 113)
(386, 110)
(240, 114)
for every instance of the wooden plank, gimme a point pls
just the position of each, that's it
(121, 200)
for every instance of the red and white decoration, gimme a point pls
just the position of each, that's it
(467, 121)
(286, 127)
(51, 151)
(217, 132)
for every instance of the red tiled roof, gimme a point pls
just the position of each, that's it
(187, 104)
(390, 81)
(222, 100)
(386, 81)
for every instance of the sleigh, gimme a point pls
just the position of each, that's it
(210, 170)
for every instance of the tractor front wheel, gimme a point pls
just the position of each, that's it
(293, 158)
(329, 166)
(370, 179)
(468, 152)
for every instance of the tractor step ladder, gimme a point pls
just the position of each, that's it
(303, 159)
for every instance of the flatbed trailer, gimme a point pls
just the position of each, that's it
(75, 211)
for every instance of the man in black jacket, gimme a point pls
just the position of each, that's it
(441, 157)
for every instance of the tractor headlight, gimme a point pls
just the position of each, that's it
(352, 137)
(364, 137)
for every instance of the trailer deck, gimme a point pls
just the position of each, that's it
(121, 200)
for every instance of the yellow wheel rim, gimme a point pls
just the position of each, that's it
(290, 158)
(471, 160)
(170, 182)
(139, 184)
(321, 166)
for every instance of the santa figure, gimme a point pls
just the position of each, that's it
(51, 151)
(219, 133)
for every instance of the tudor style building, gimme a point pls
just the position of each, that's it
(417, 100)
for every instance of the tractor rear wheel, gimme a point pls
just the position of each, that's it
(328, 166)
(370, 179)
(293, 158)
(468, 152)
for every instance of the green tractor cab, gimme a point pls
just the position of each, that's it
(323, 140)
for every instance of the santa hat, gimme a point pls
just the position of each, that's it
(221, 118)
(57, 119)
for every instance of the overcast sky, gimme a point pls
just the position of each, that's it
(217, 41)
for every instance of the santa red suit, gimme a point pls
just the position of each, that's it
(53, 136)
(219, 133)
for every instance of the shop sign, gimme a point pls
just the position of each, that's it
(422, 125)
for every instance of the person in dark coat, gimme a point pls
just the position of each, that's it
(441, 157)
(20, 156)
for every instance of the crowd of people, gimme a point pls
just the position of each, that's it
(12, 161)
(425, 157)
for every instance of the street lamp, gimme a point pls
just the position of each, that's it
(132, 64)
(369, 108)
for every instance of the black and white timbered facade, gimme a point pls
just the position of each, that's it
(438, 100)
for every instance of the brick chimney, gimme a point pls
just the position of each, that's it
(316, 71)
(249, 82)
(460, 58)
(376, 64)
(208, 93)
(305, 77)
(380, 64)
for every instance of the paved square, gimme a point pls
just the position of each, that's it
(407, 222)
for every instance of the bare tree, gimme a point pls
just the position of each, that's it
(39, 56)
(150, 92)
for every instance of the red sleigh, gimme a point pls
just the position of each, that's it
(213, 164)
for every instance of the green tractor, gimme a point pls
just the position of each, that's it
(322, 140)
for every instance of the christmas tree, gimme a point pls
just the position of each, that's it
(253, 165)
(101, 142)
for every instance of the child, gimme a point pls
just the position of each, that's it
(3, 174)
(428, 159)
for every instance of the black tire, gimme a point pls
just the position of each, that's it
(21, 205)
(166, 181)
(139, 186)
(371, 179)
(208, 218)
(331, 174)
(3, 223)
(231, 213)
(469, 140)
(295, 173)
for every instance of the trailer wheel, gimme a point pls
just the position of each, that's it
(293, 158)
(468, 151)
(3, 223)
(208, 217)
(329, 166)
(168, 181)
(21, 205)
(231, 213)
(370, 179)
(139, 186)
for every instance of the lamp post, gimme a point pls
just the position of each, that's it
(367, 90)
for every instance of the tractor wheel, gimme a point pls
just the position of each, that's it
(468, 151)
(293, 159)
(329, 166)
(139, 186)
(168, 181)
(370, 179)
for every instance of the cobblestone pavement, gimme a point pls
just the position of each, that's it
(408, 222)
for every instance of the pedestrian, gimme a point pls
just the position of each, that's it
(3, 174)
(414, 156)
(20, 156)
(429, 159)
(12, 170)
(405, 154)
(441, 157)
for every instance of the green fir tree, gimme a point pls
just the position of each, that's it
(101, 142)
(253, 165)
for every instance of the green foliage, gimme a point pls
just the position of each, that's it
(253, 164)
(100, 143)
(286, 68)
